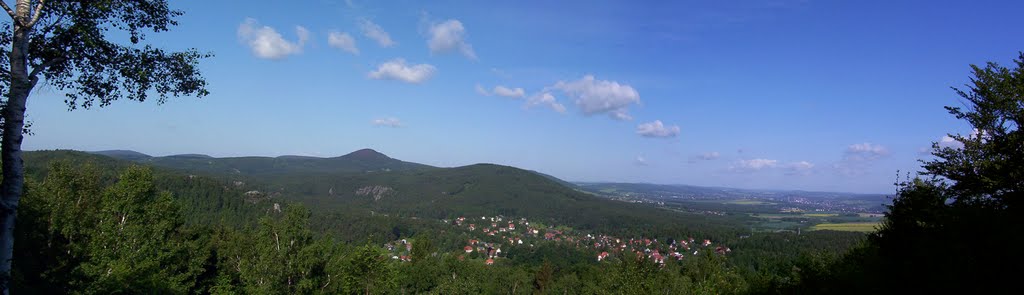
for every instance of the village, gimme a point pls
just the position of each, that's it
(491, 234)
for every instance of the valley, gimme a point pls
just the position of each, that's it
(758, 210)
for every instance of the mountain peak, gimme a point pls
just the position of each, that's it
(122, 154)
(366, 154)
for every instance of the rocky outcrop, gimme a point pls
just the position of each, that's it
(376, 191)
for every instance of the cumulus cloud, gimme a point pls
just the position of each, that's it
(509, 92)
(387, 122)
(502, 91)
(753, 165)
(704, 157)
(265, 42)
(481, 90)
(949, 142)
(640, 160)
(799, 168)
(657, 129)
(303, 34)
(709, 156)
(865, 152)
(342, 41)
(594, 96)
(397, 69)
(375, 32)
(858, 158)
(545, 99)
(448, 36)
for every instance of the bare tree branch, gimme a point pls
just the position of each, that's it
(56, 22)
(9, 11)
(42, 67)
(35, 16)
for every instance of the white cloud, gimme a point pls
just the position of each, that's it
(265, 42)
(303, 34)
(594, 96)
(976, 133)
(396, 69)
(545, 99)
(640, 160)
(449, 36)
(866, 152)
(949, 142)
(859, 157)
(753, 165)
(502, 91)
(342, 41)
(709, 156)
(375, 32)
(481, 91)
(657, 129)
(387, 122)
(924, 151)
(799, 168)
(509, 92)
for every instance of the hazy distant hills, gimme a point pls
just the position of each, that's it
(688, 190)
(675, 191)
(123, 154)
(364, 160)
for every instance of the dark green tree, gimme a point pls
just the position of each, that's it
(137, 244)
(543, 278)
(80, 238)
(420, 275)
(282, 257)
(941, 231)
(58, 214)
(954, 228)
(70, 45)
(368, 270)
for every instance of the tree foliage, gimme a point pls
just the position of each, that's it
(77, 47)
(953, 228)
(127, 237)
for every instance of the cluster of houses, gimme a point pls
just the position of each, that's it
(511, 232)
(400, 249)
(491, 234)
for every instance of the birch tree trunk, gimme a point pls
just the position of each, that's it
(13, 113)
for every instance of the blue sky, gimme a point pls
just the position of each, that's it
(812, 95)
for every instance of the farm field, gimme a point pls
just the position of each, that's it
(749, 202)
(849, 226)
(821, 214)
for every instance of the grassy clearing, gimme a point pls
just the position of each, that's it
(849, 226)
(774, 215)
(821, 214)
(749, 202)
